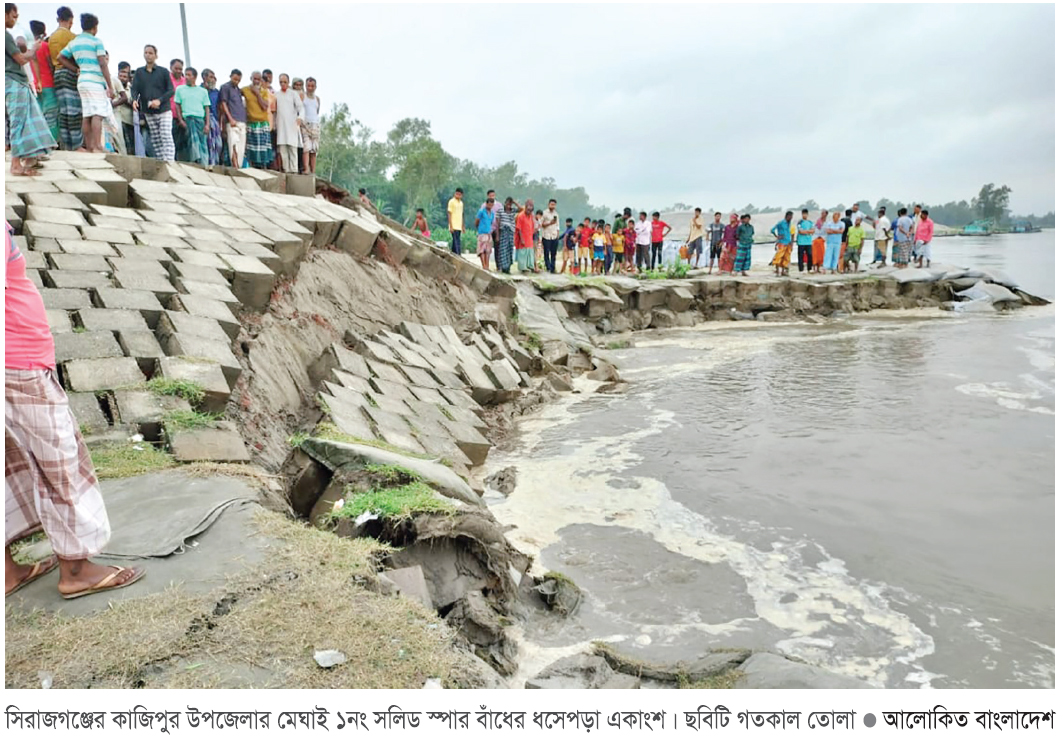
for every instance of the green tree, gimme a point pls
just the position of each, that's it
(992, 202)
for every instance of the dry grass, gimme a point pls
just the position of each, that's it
(725, 680)
(129, 460)
(261, 631)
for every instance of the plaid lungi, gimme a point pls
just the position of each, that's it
(66, 94)
(902, 251)
(197, 140)
(160, 129)
(50, 109)
(259, 146)
(311, 136)
(49, 481)
(27, 130)
(214, 142)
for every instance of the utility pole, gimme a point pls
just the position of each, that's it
(184, 32)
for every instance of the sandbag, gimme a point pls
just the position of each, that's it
(907, 275)
(999, 277)
(997, 294)
(961, 283)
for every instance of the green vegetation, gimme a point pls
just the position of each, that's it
(399, 501)
(617, 345)
(725, 680)
(129, 460)
(185, 420)
(409, 170)
(678, 270)
(445, 411)
(80, 330)
(296, 439)
(185, 388)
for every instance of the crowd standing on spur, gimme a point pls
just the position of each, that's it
(61, 92)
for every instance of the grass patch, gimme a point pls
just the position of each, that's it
(392, 473)
(329, 432)
(188, 420)
(306, 594)
(129, 460)
(617, 345)
(189, 390)
(446, 413)
(725, 680)
(80, 330)
(398, 502)
(296, 439)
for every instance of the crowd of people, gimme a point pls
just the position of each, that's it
(60, 92)
(533, 238)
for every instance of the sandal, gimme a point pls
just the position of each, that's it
(108, 584)
(39, 568)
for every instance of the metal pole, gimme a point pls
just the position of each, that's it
(184, 32)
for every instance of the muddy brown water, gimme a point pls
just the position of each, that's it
(874, 496)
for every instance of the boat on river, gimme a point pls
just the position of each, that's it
(1023, 227)
(981, 228)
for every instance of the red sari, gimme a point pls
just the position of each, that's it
(729, 248)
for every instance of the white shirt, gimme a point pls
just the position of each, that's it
(882, 228)
(643, 232)
(551, 231)
(859, 215)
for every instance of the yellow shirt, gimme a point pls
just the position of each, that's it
(255, 113)
(455, 214)
(618, 243)
(57, 42)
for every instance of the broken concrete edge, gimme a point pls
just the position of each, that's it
(664, 672)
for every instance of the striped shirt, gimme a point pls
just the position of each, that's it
(86, 50)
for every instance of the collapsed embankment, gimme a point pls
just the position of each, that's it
(230, 316)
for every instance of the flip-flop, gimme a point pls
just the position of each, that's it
(108, 584)
(43, 567)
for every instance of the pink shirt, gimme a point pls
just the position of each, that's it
(173, 101)
(28, 340)
(924, 231)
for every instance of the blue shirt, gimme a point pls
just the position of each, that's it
(834, 239)
(804, 224)
(782, 232)
(568, 238)
(86, 50)
(486, 221)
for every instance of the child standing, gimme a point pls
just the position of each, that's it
(599, 249)
(629, 246)
(618, 251)
(420, 224)
(586, 235)
(607, 235)
(568, 246)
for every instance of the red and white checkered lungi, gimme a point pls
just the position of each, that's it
(49, 480)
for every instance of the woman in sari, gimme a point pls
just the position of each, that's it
(819, 243)
(210, 82)
(730, 246)
(507, 226)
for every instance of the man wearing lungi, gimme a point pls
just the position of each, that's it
(86, 57)
(49, 480)
(27, 131)
(152, 94)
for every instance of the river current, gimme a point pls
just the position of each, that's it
(875, 496)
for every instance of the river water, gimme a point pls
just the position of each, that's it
(874, 496)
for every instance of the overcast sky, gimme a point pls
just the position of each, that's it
(647, 105)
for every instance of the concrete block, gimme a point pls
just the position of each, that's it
(20, 186)
(58, 216)
(34, 276)
(429, 395)
(207, 234)
(249, 236)
(350, 381)
(216, 292)
(459, 398)
(163, 217)
(371, 349)
(77, 246)
(160, 241)
(353, 424)
(94, 319)
(54, 201)
(395, 430)
(144, 253)
(420, 377)
(173, 323)
(142, 346)
(144, 301)
(77, 279)
(35, 259)
(90, 375)
(470, 441)
(290, 249)
(59, 321)
(88, 415)
(252, 281)
(228, 222)
(157, 284)
(115, 212)
(88, 345)
(74, 262)
(387, 372)
(162, 230)
(443, 446)
(115, 223)
(219, 247)
(483, 387)
(108, 235)
(209, 308)
(65, 299)
(146, 410)
(199, 258)
(410, 581)
(357, 236)
(136, 265)
(448, 379)
(300, 185)
(192, 272)
(220, 442)
(393, 405)
(42, 230)
(264, 254)
(200, 347)
(464, 415)
(206, 374)
(15, 203)
(335, 356)
(116, 186)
